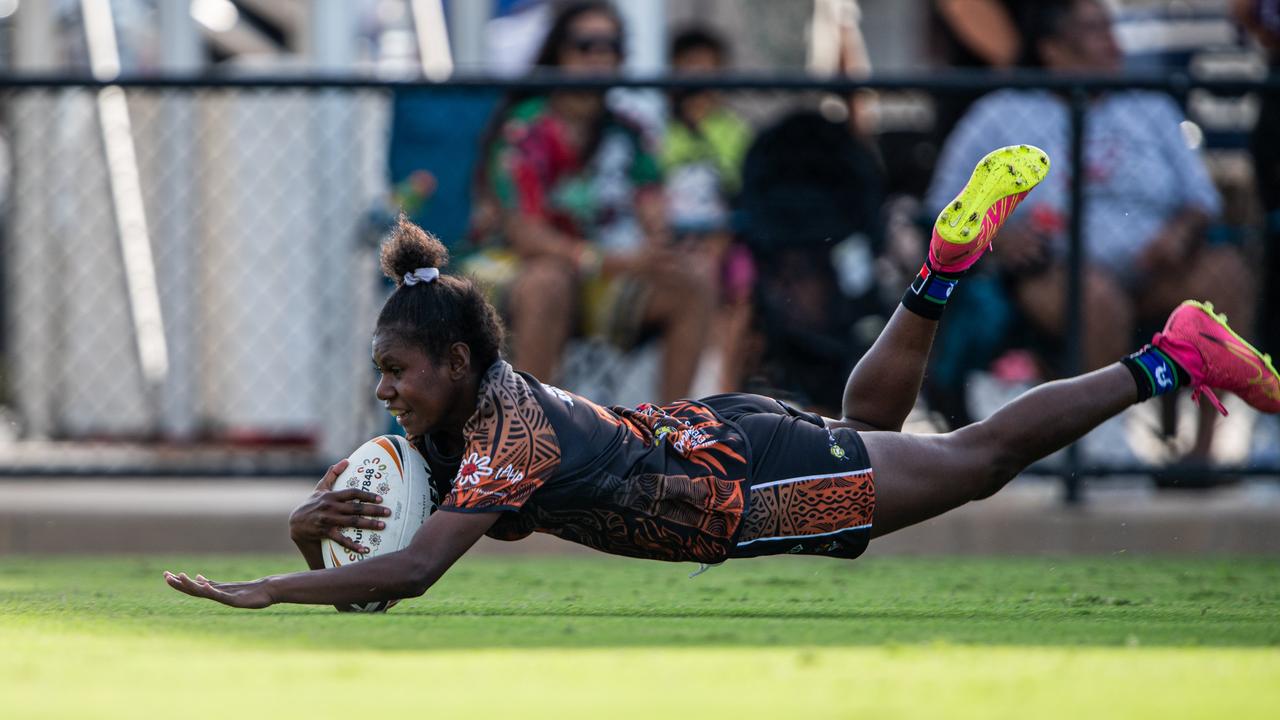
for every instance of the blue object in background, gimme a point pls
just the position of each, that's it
(439, 131)
(511, 7)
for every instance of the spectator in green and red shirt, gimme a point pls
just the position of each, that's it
(584, 246)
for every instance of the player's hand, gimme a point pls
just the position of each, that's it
(251, 595)
(327, 511)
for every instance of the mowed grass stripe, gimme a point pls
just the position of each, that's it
(71, 675)
(574, 637)
(607, 602)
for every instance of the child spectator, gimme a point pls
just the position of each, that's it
(702, 159)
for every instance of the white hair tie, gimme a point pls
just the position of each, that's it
(421, 275)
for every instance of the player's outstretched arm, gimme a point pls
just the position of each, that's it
(444, 538)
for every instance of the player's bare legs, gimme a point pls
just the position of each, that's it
(920, 476)
(883, 386)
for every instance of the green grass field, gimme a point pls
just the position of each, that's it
(613, 638)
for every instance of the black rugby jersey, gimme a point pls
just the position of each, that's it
(666, 483)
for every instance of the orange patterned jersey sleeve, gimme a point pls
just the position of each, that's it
(511, 447)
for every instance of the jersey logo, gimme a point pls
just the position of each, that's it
(564, 396)
(837, 452)
(474, 467)
(510, 474)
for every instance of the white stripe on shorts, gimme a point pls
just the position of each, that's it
(803, 537)
(786, 481)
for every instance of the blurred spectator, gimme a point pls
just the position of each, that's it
(836, 47)
(584, 244)
(811, 197)
(812, 190)
(977, 35)
(702, 159)
(705, 141)
(434, 135)
(969, 35)
(1262, 19)
(980, 33)
(1148, 197)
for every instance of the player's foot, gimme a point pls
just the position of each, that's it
(1216, 358)
(965, 227)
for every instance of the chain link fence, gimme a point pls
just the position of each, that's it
(184, 280)
(191, 279)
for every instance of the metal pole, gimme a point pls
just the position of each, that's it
(332, 36)
(34, 338)
(337, 202)
(181, 47)
(181, 54)
(434, 51)
(125, 182)
(1074, 486)
(646, 35)
(467, 33)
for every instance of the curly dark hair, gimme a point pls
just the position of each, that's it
(697, 37)
(436, 314)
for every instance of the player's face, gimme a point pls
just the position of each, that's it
(424, 395)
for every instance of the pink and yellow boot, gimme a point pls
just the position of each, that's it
(1216, 358)
(965, 227)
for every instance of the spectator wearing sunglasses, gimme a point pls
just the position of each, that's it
(582, 246)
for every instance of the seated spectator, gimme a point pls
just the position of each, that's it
(810, 210)
(1262, 19)
(971, 35)
(702, 159)
(584, 245)
(1148, 197)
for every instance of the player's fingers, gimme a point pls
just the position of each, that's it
(359, 508)
(210, 591)
(185, 584)
(331, 476)
(353, 494)
(347, 542)
(367, 523)
(199, 586)
(173, 582)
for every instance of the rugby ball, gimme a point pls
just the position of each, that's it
(388, 466)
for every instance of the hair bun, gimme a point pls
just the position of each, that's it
(410, 248)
